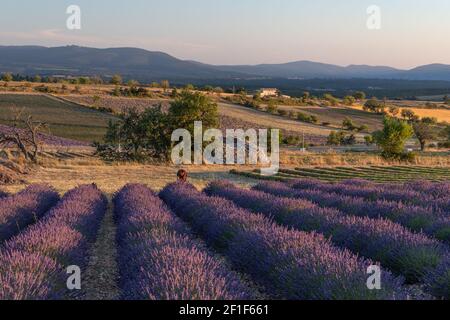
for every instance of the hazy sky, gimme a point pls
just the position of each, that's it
(413, 32)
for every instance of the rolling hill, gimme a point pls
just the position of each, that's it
(130, 62)
(146, 65)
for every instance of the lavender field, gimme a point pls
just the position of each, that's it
(296, 240)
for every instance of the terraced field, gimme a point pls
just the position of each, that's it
(65, 119)
(373, 173)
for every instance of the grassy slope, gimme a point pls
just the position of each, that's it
(270, 121)
(335, 115)
(65, 119)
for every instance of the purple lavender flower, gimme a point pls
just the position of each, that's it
(61, 238)
(290, 264)
(417, 218)
(438, 280)
(398, 249)
(159, 258)
(27, 276)
(24, 208)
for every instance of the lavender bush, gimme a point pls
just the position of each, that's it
(61, 238)
(437, 190)
(159, 258)
(3, 194)
(362, 189)
(434, 223)
(438, 280)
(27, 276)
(398, 249)
(24, 208)
(290, 264)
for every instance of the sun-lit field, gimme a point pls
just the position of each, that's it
(442, 115)
(228, 233)
(223, 235)
(382, 174)
(64, 119)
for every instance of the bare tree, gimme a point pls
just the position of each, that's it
(24, 135)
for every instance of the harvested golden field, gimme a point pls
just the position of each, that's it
(443, 115)
(440, 114)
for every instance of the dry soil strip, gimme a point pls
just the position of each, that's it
(101, 277)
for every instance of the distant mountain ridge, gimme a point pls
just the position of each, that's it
(146, 65)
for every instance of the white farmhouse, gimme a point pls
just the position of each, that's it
(268, 92)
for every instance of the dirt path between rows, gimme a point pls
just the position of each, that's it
(101, 276)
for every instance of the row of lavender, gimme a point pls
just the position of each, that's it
(33, 263)
(414, 256)
(20, 210)
(354, 200)
(425, 194)
(288, 263)
(159, 258)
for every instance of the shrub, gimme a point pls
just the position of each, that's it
(393, 137)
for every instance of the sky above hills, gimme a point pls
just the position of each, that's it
(413, 32)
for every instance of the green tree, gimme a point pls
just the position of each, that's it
(218, 90)
(393, 137)
(7, 77)
(306, 96)
(158, 132)
(373, 105)
(368, 140)
(132, 83)
(189, 107)
(394, 111)
(132, 131)
(340, 138)
(446, 132)
(116, 79)
(174, 93)
(116, 92)
(359, 95)
(139, 136)
(424, 132)
(272, 107)
(348, 124)
(430, 120)
(409, 115)
(37, 78)
(362, 128)
(332, 100)
(349, 100)
(165, 84)
(84, 80)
